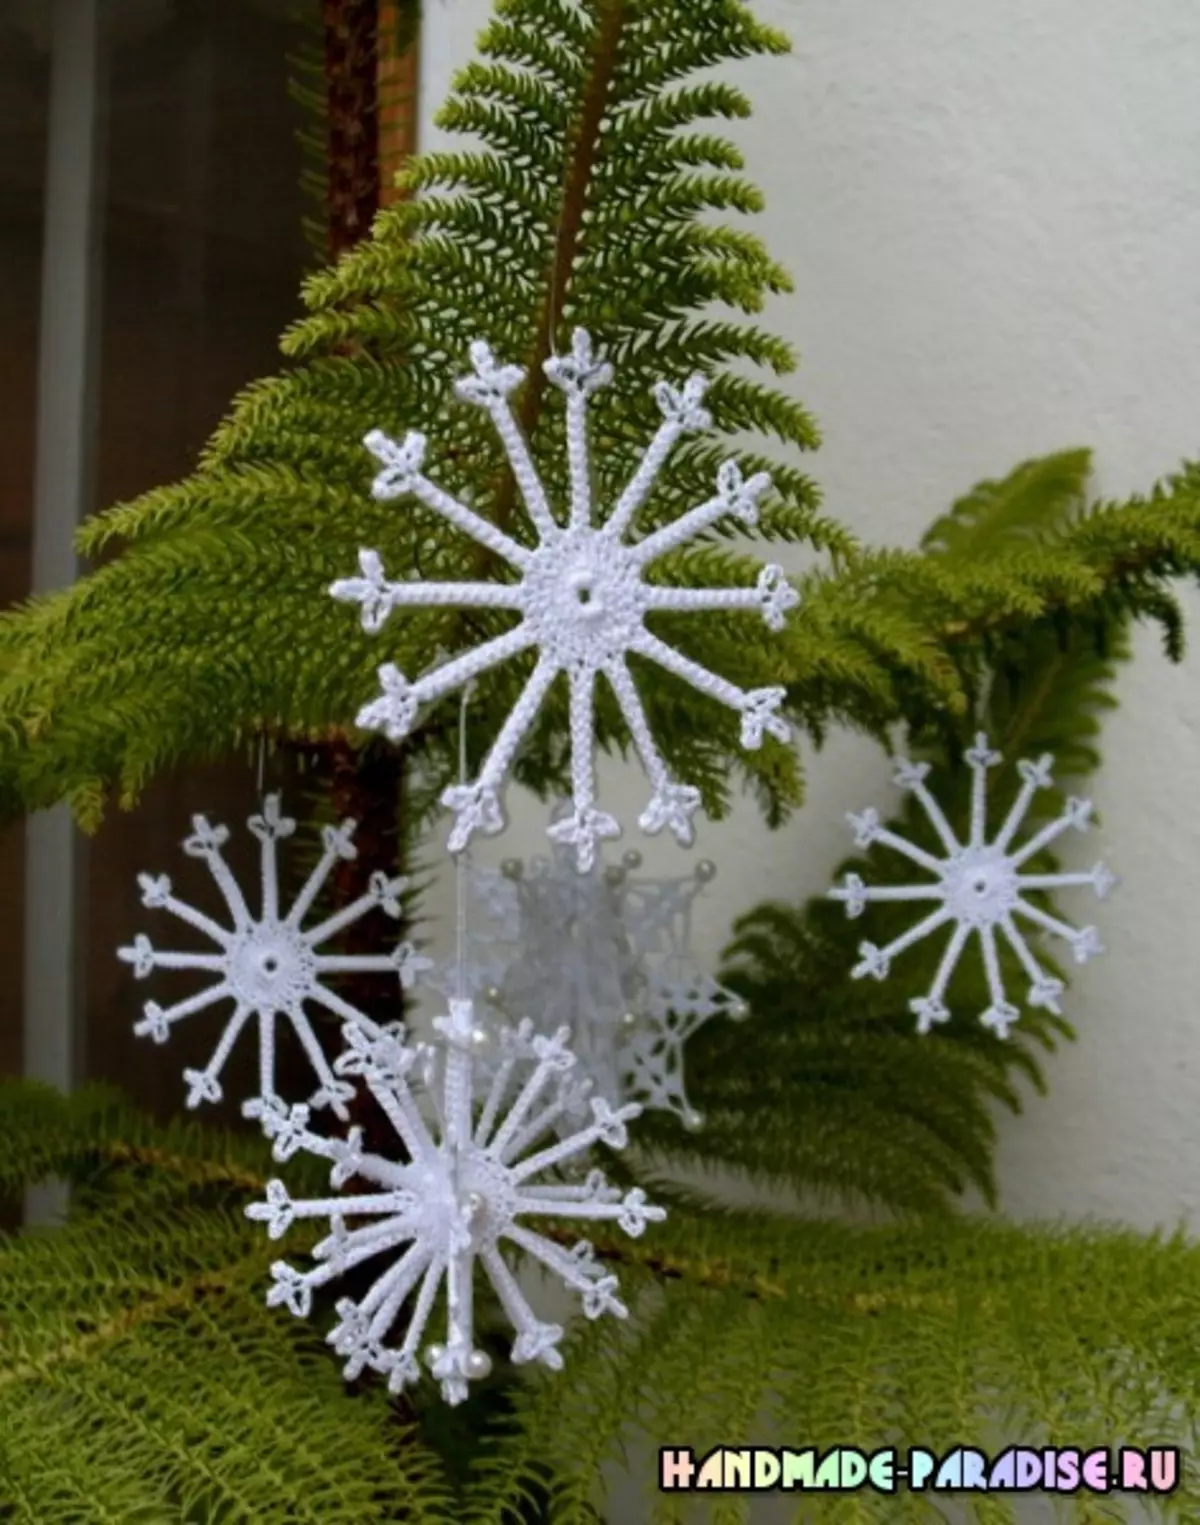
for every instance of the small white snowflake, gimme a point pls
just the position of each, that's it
(652, 1054)
(268, 966)
(979, 887)
(459, 1196)
(605, 953)
(582, 597)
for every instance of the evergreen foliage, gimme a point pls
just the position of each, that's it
(846, 1099)
(214, 620)
(141, 1379)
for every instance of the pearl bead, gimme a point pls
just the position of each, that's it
(706, 871)
(479, 1365)
(693, 1121)
(614, 875)
(475, 1204)
(632, 859)
(738, 1010)
(512, 868)
(435, 1354)
(493, 995)
(629, 1020)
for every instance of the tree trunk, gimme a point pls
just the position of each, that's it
(366, 785)
(364, 67)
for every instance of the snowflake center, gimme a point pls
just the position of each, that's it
(466, 1190)
(980, 886)
(583, 601)
(271, 966)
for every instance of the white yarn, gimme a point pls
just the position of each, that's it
(582, 598)
(464, 1190)
(608, 955)
(268, 966)
(979, 888)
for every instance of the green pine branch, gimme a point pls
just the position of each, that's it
(959, 1333)
(141, 1378)
(602, 195)
(850, 1103)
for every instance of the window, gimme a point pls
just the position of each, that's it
(198, 255)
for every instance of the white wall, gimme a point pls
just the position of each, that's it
(993, 216)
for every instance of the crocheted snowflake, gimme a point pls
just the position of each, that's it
(582, 598)
(979, 888)
(465, 1189)
(268, 966)
(606, 953)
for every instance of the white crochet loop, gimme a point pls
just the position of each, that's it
(466, 1186)
(978, 888)
(581, 597)
(268, 966)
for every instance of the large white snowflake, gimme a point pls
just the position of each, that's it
(607, 954)
(267, 965)
(582, 598)
(979, 888)
(465, 1189)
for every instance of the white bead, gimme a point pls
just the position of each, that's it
(512, 868)
(706, 871)
(435, 1353)
(739, 1010)
(693, 1121)
(479, 1365)
(614, 875)
(629, 1020)
(632, 859)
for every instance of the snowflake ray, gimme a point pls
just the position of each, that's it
(267, 966)
(468, 1186)
(582, 600)
(978, 887)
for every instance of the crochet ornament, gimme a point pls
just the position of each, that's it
(581, 596)
(606, 954)
(268, 966)
(464, 1189)
(978, 888)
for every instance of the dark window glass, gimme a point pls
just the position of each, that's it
(24, 99)
(202, 252)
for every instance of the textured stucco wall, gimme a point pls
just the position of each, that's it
(993, 216)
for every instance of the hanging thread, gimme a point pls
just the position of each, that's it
(460, 860)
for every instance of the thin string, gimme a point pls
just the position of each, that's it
(262, 760)
(683, 947)
(460, 861)
(552, 304)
